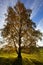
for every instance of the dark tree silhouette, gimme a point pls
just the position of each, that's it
(20, 29)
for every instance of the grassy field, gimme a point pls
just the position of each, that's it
(27, 59)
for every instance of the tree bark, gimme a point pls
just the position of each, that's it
(19, 53)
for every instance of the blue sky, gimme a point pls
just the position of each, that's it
(35, 5)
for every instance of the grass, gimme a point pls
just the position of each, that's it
(8, 55)
(27, 59)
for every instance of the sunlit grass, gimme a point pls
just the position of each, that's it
(8, 55)
(27, 59)
(38, 57)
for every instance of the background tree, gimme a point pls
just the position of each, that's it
(20, 29)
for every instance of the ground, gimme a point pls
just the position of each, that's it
(27, 59)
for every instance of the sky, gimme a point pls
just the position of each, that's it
(36, 16)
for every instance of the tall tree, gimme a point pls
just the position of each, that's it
(20, 29)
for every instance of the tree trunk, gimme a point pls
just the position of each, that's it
(19, 50)
(19, 53)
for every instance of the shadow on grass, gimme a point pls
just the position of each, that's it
(36, 62)
(19, 61)
(16, 61)
(4, 61)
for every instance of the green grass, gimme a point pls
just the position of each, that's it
(27, 59)
(8, 55)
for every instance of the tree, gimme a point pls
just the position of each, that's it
(20, 29)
